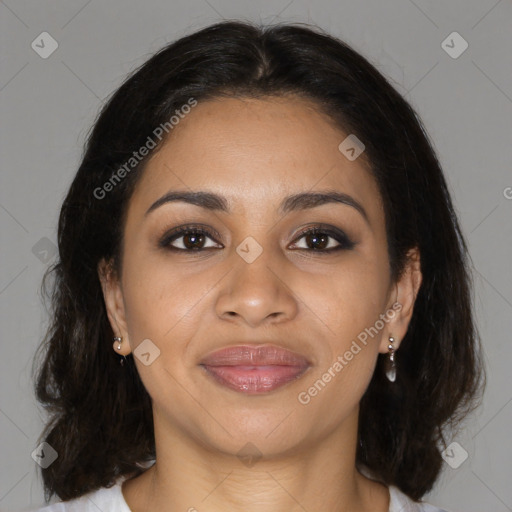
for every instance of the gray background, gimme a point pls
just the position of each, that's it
(47, 106)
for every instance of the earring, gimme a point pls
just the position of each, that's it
(119, 340)
(390, 363)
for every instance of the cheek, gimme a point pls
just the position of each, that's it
(349, 305)
(350, 298)
(162, 302)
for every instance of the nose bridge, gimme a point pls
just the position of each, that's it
(255, 290)
(254, 261)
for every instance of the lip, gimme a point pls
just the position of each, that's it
(254, 369)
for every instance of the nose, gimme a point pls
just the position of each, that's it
(258, 292)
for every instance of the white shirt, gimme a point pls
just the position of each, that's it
(112, 500)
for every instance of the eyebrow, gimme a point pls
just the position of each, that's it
(295, 202)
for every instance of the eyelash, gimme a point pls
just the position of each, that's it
(345, 243)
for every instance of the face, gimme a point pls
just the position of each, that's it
(251, 272)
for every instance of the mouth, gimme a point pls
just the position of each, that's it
(254, 369)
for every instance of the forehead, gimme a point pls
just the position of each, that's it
(254, 152)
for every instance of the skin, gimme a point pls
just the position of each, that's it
(255, 152)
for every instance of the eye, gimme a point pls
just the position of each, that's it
(324, 239)
(189, 238)
(194, 238)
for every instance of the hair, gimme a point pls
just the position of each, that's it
(100, 415)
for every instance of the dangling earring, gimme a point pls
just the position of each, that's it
(390, 363)
(119, 340)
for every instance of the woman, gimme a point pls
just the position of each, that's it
(262, 233)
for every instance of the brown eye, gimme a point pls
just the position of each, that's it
(317, 240)
(324, 240)
(193, 240)
(188, 238)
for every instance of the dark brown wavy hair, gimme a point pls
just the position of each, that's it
(100, 417)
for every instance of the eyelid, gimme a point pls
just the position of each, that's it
(343, 240)
(182, 230)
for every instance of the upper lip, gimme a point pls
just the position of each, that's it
(254, 355)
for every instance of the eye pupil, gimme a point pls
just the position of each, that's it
(193, 240)
(318, 239)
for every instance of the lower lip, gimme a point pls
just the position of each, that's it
(254, 380)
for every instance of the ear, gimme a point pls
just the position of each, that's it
(114, 303)
(407, 289)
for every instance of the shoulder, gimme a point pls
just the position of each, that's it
(400, 502)
(106, 498)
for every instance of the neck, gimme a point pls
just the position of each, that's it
(320, 476)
